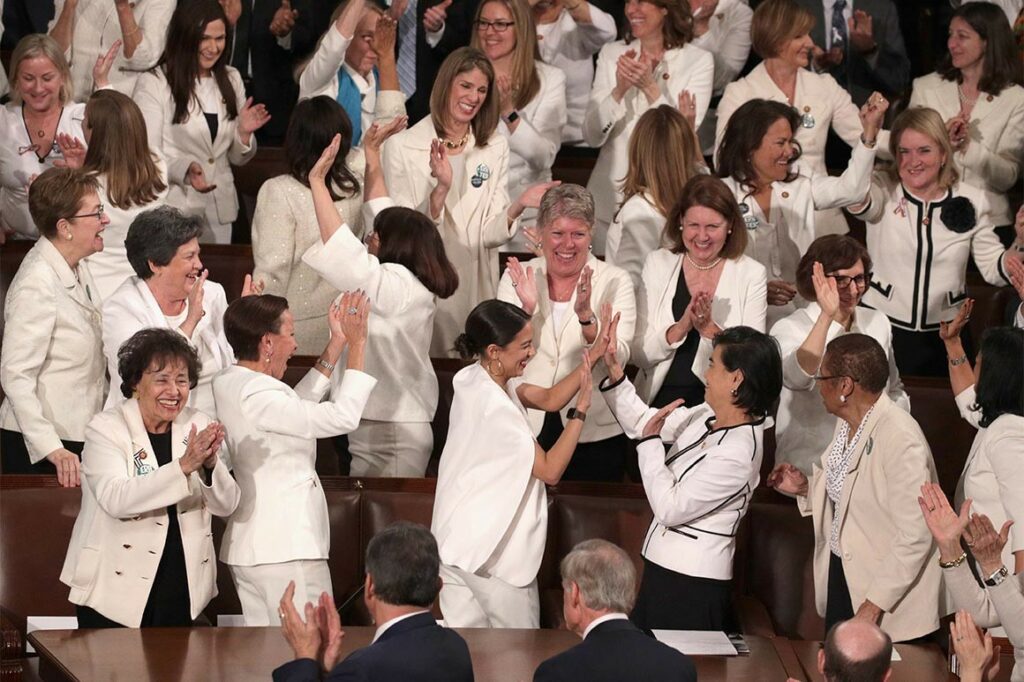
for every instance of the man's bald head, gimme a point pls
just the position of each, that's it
(856, 651)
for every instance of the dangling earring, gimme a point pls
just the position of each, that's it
(501, 368)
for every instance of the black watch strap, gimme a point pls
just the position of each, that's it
(573, 413)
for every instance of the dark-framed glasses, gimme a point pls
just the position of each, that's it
(843, 281)
(97, 214)
(822, 377)
(499, 26)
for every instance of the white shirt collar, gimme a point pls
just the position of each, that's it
(362, 84)
(384, 626)
(604, 619)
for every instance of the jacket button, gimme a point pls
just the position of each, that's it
(152, 551)
(127, 546)
(210, 160)
(664, 76)
(846, 556)
(785, 195)
(206, 560)
(117, 572)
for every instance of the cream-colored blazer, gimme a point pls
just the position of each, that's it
(121, 529)
(888, 554)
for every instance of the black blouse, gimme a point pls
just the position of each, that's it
(681, 382)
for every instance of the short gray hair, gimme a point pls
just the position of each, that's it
(566, 201)
(604, 573)
(156, 234)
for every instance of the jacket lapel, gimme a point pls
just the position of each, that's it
(864, 448)
(141, 459)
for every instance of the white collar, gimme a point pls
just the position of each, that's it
(384, 627)
(604, 619)
(362, 84)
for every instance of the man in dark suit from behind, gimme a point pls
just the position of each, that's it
(599, 587)
(402, 582)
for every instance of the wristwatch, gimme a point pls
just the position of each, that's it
(997, 577)
(511, 118)
(573, 413)
(586, 323)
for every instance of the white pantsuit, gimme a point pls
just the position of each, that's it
(117, 542)
(608, 124)
(728, 40)
(282, 516)
(634, 233)
(473, 222)
(182, 144)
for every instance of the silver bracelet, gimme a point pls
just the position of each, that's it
(326, 365)
(956, 362)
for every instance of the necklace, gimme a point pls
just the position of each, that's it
(455, 144)
(697, 265)
(963, 98)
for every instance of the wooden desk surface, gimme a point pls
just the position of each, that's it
(252, 653)
(919, 663)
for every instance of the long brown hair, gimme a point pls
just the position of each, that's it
(409, 238)
(180, 60)
(525, 54)
(743, 135)
(119, 149)
(313, 125)
(662, 157)
(676, 29)
(1001, 63)
(464, 60)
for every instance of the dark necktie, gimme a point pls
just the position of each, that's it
(839, 36)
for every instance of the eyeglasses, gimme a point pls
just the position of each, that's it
(822, 377)
(843, 281)
(97, 214)
(499, 26)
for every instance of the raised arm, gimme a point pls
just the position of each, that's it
(550, 465)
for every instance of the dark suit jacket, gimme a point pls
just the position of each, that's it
(616, 650)
(891, 71)
(416, 649)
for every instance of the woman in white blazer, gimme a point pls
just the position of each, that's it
(490, 508)
(281, 531)
(663, 156)
(354, 64)
(197, 117)
(141, 553)
(531, 94)
(989, 398)
(51, 363)
(922, 225)
(131, 177)
(403, 272)
(833, 275)
(651, 66)
(976, 89)
(700, 489)
(284, 224)
(169, 290)
(873, 554)
(691, 289)
(568, 37)
(780, 32)
(758, 158)
(454, 168)
(561, 290)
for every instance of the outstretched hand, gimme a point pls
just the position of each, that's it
(786, 478)
(656, 423)
(322, 168)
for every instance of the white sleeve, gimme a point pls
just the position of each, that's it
(849, 188)
(150, 94)
(603, 112)
(155, 19)
(278, 412)
(537, 138)
(324, 64)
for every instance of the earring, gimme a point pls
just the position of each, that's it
(734, 392)
(267, 359)
(501, 368)
(842, 398)
(68, 235)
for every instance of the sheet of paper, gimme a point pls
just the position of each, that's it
(896, 655)
(33, 623)
(697, 642)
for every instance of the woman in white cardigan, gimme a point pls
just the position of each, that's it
(281, 530)
(141, 553)
(651, 66)
(780, 31)
(531, 94)
(51, 362)
(833, 275)
(780, 199)
(404, 272)
(697, 285)
(197, 117)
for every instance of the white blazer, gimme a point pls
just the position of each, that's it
(51, 363)
(184, 143)
(273, 429)
(110, 267)
(728, 40)
(634, 233)
(400, 326)
(700, 490)
(320, 77)
(803, 428)
(740, 299)
(818, 98)
(571, 47)
(538, 137)
(994, 156)
(608, 124)
(119, 536)
(920, 265)
(489, 509)
(559, 349)
(473, 223)
(888, 553)
(133, 308)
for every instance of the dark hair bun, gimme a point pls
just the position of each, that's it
(465, 347)
(958, 215)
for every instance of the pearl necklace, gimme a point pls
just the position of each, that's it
(697, 265)
(455, 144)
(963, 97)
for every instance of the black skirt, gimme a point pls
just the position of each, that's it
(14, 458)
(676, 601)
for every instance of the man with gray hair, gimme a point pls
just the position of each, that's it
(598, 590)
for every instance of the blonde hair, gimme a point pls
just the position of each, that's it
(927, 122)
(464, 60)
(525, 80)
(41, 45)
(662, 157)
(774, 23)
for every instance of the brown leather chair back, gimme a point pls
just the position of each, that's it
(948, 435)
